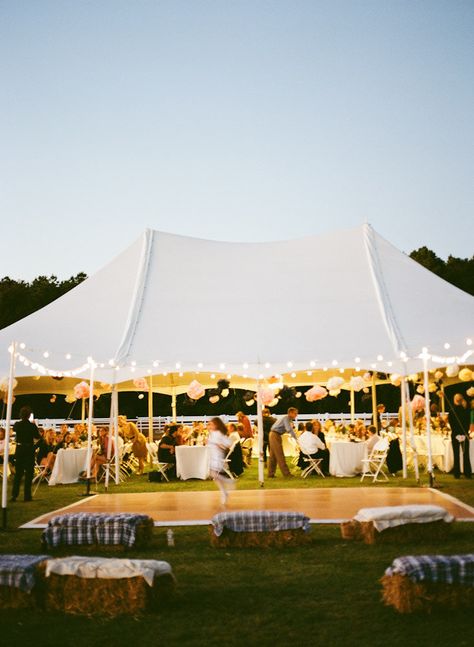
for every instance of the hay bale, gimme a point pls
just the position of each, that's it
(12, 597)
(265, 539)
(106, 597)
(406, 596)
(88, 530)
(365, 531)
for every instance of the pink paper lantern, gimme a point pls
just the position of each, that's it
(195, 390)
(140, 383)
(418, 403)
(315, 393)
(82, 391)
(266, 395)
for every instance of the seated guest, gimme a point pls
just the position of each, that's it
(313, 442)
(101, 457)
(68, 440)
(247, 431)
(181, 436)
(2, 447)
(45, 455)
(300, 429)
(167, 448)
(233, 433)
(372, 438)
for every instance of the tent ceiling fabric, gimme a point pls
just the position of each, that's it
(249, 309)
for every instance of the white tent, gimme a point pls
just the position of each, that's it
(171, 304)
(347, 298)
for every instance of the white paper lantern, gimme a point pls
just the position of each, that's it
(357, 383)
(452, 370)
(335, 383)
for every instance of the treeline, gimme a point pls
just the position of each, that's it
(20, 298)
(458, 271)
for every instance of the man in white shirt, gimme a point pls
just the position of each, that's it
(310, 443)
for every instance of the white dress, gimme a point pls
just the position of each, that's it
(216, 441)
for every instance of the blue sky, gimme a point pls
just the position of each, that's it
(232, 120)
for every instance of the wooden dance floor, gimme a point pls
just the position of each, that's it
(321, 505)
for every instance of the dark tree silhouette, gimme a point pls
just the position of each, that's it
(458, 271)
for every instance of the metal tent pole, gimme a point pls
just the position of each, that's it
(404, 427)
(6, 450)
(426, 382)
(261, 463)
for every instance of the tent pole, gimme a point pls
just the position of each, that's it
(404, 426)
(375, 417)
(261, 464)
(412, 434)
(150, 409)
(8, 423)
(173, 404)
(109, 443)
(352, 406)
(428, 417)
(441, 397)
(115, 402)
(89, 420)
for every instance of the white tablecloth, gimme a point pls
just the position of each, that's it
(345, 458)
(441, 449)
(192, 462)
(68, 465)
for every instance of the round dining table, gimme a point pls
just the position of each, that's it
(192, 462)
(345, 457)
(68, 465)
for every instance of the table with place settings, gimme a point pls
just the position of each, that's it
(345, 457)
(192, 462)
(68, 465)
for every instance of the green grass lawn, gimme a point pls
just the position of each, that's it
(325, 593)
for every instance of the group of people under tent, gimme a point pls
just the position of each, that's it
(34, 445)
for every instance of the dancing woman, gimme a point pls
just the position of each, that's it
(219, 444)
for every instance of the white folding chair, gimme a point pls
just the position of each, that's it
(312, 465)
(373, 465)
(247, 447)
(160, 467)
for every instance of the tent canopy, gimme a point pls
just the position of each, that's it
(170, 304)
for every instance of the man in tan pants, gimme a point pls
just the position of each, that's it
(283, 425)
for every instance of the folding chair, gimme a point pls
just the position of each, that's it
(160, 467)
(247, 447)
(41, 474)
(226, 466)
(373, 465)
(312, 465)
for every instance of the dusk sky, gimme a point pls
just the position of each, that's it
(233, 120)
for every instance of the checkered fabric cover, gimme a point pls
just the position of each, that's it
(93, 528)
(18, 571)
(259, 521)
(441, 569)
